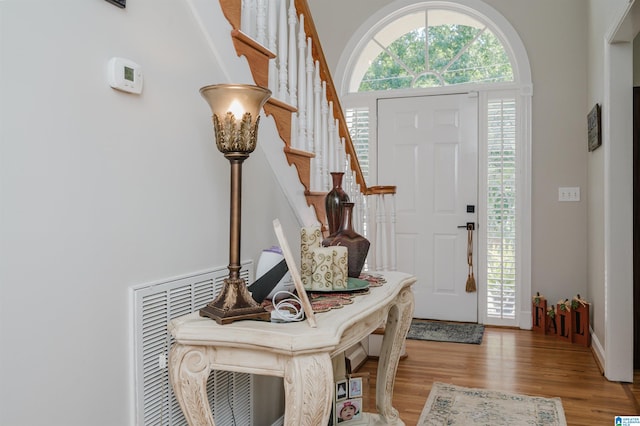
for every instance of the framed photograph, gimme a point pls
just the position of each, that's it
(355, 387)
(120, 3)
(594, 127)
(350, 409)
(341, 390)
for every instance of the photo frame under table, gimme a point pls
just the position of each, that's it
(341, 390)
(355, 387)
(348, 410)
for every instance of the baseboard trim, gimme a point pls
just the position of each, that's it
(597, 350)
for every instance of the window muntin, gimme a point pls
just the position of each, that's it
(442, 48)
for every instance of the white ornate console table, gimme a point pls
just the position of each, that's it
(298, 353)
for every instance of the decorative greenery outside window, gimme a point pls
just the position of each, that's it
(431, 48)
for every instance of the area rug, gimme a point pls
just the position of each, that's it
(455, 405)
(441, 331)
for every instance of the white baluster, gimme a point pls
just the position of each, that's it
(246, 26)
(317, 113)
(273, 30)
(324, 126)
(371, 232)
(261, 22)
(347, 177)
(331, 160)
(358, 214)
(293, 72)
(339, 148)
(302, 99)
(392, 234)
(310, 130)
(340, 151)
(363, 210)
(352, 185)
(345, 160)
(282, 51)
(380, 232)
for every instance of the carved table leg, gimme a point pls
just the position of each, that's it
(398, 322)
(188, 371)
(308, 387)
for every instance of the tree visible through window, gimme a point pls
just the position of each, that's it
(449, 48)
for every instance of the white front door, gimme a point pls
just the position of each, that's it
(427, 147)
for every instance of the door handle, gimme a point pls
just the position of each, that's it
(470, 226)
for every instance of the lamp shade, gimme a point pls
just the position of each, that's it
(236, 114)
(237, 99)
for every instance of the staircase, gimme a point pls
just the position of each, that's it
(279, 40)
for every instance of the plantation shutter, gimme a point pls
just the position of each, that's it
(358, 124)
(501, 209)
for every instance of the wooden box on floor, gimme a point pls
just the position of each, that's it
(580, 325)
(550, 326)
(539, 314)
(563, 323)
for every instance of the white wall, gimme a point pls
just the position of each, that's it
(102, 190)
(554, 35)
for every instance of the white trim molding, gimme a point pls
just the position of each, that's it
(617, 119)
(521, 88)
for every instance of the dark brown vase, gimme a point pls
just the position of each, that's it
(357, 245)
(333, 201)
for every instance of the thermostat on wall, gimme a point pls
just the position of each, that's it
(125, 75)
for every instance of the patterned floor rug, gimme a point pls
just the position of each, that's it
(440, 331)
(455, 405)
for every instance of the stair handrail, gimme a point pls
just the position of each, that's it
(302, 8)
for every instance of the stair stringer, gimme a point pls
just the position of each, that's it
(214, 26)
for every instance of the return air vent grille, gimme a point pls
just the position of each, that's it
(154, 306)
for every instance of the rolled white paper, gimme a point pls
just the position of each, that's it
(322, 268)
(310, 238)
(340, 267)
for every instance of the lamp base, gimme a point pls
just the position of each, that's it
(234, 303)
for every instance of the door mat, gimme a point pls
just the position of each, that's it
(441, 331)
(456, 405)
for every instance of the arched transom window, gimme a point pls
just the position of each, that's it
(431, 48)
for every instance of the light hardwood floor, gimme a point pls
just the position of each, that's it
(515, 361)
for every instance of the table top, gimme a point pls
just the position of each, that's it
(295, 337)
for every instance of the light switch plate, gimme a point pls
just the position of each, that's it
(567, 193)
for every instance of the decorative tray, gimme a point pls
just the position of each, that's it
(353, 284)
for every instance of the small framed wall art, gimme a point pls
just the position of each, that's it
(120, 3)
(594, 127)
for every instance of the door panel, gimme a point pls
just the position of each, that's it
(427, 147)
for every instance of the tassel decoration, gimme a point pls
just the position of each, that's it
(471, 281)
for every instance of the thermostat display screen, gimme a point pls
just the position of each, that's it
(128, 73)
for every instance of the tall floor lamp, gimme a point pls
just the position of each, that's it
(236, 113)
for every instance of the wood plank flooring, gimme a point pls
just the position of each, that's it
(510, 360)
